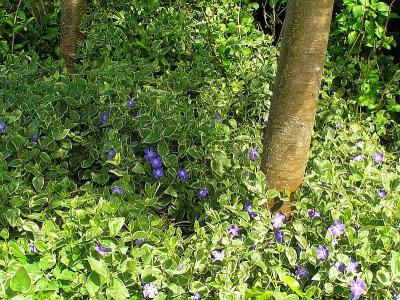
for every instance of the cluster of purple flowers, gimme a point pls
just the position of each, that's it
(277, 222)
(377, 157)
(155, 161)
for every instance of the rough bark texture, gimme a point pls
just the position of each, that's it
(288, 133)
(73, 11)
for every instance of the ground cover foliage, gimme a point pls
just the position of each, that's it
(139, 177)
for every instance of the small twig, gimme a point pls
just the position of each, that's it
(15, 21)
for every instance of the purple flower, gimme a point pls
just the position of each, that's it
(252, 214)
(130, 103)
(158, 173)
(149, 291)
(337, 228)
(180, 267)
(301, 272)
(149, 153)
(313, 213)
(104, 116)
(110, 154)
(196, 296)
(360, 144)
(203, 193)
(3, 127)
(117, 190)
(183, 174)
(156, 162)
(352, 267)
(233, 230)
(278, 220)
(218, 117)
(247, 206)
(359, 157)
(136, 113)
(340, 266)
(218, 255)
(279, 236)
(358, 288)
(102, 250)
(265, 119)
(140, 242)
(36, 138)
(254, 153)
(33, 248)
(381, 193)
(339, 125)
(322, 252)
(378, 157)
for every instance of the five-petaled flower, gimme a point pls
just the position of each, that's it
(340, 266)
(149, 291)
(322, 252)
(33, 248)
(313, 213)
(381, 193)
(278, 220)
(183, 174)
(102, 250)
(36, 138)
(117, 190)
(140, 242)
(254, 153)
(149, 153)
(279, 236)
(352, 267)
(301, 272)
(3, 127)
(378, 157)
(357, 288)
(218, 117)
(110, 154)
(156, 162)
(218, 255)
(196, 296)
(203, 193)
(158, 173)
(359, 157)
(104, 116)
(337, 228)
(233, 230)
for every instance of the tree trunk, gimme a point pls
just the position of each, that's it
(291, 119)
(72, 14)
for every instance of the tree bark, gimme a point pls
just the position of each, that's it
(296, 91)
(72, 14)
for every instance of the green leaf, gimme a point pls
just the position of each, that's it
(383, 8)
(118, 290)
(12, 216)
(383, 277)
(272, 193)
(93, 284)
(293, 284)
(115, 225)
(357, 11)
(138, 168)
(20, 282)
(15, 115)
(291, 256)
(395, 266)
(99, 267)
(38, 183)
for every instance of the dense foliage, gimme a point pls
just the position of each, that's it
(139, 175)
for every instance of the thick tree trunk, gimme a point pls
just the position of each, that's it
(288, 133)
(72, 14)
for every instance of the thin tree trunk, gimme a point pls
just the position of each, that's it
(288, 133)
(72, 14)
